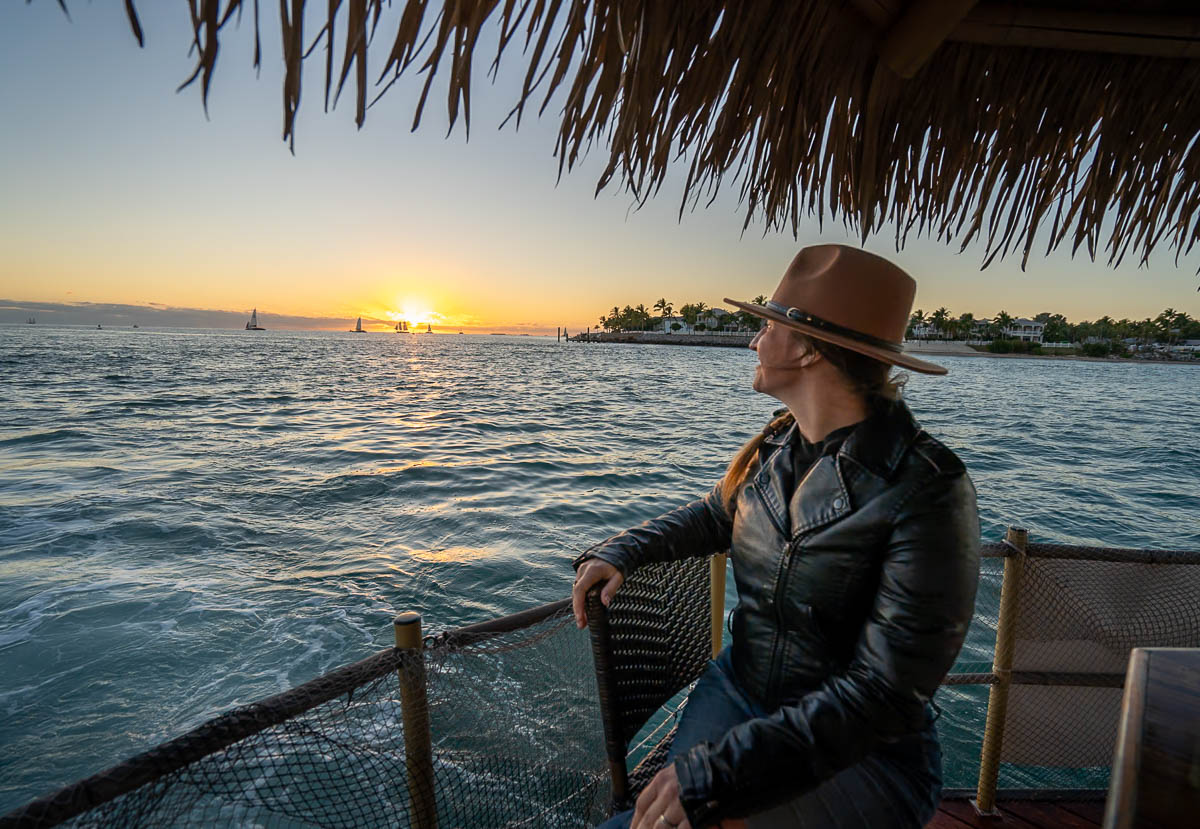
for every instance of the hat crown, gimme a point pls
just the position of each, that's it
(851, 288)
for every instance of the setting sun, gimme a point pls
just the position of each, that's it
(414, 312)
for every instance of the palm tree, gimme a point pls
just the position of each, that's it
(701, 311)
(663, 307)
(1003, 322)
(915, 321)
(1146, 331)
(939, 319)
(1166, 322)
(760, 300)
(966, 325)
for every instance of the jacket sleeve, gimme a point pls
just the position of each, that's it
(699, 528)
(923, 605)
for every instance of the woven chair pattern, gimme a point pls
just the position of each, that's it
(652, 641)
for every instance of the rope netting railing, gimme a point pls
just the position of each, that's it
(512, 718)
(1033, 702)
(508, 728)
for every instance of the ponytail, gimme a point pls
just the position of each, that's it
(739, 467)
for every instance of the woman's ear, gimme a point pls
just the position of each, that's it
(802, 352)
(810, 358)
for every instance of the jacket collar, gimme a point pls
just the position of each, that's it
(877, 445)
(821, 496)
(882, 440)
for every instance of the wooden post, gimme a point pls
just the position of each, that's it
(418, 742)
(557, 334)
(716, 596)
(997, 711)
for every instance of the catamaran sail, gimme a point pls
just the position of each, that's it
(358, 329)
(252, 325)
(428, 328)
(402, 327)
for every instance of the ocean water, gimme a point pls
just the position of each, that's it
(191, 520)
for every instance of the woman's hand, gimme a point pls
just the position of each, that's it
(590, 572)
(658, 806)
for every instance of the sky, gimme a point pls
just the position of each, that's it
(116, 192)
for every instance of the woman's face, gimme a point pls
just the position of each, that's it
(782, 355)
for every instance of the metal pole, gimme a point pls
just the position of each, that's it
(716, 597)
(997, 711)
(418, 742)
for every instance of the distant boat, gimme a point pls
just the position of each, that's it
(358, 329)
(253, 324)
(402, 327)
(99, 327)
(31, 321)
(135, 325)
(428, 328)
(460, 332)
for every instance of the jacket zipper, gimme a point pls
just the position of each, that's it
(780, 576)
(785, 567)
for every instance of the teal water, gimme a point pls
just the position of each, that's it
(191, 520)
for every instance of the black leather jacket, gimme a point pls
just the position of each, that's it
(856, 577)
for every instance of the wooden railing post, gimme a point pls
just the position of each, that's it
(997, 710)
(716, 594)
(414, 706)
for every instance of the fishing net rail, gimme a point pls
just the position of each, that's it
(493, 724)
(510, 722)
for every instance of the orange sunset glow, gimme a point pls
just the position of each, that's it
(387, 224)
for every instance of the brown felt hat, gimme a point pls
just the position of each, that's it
(847, 297)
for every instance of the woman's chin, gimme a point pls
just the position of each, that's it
(757, 383)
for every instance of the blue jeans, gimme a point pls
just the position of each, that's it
(898, 786)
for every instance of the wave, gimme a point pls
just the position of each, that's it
(52, 436)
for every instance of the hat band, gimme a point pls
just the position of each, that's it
(796, 315)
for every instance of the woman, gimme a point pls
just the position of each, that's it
(854, 539)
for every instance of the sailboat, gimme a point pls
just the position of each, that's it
(428, 328)
(31, 321)
(402, 327)
(358, 329)
(253, 325)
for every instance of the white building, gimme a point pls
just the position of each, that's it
(1025, 330)
(667, 322)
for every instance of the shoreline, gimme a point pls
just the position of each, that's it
(932, 349)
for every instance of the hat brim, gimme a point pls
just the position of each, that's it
(884, 355)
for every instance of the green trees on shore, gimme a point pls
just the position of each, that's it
(1169, 327)
(696, 314)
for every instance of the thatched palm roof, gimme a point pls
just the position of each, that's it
(964, 120)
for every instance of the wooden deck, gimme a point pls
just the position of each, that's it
(1021, 814)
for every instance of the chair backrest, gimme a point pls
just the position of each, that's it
(1069, 617)
(651, 642)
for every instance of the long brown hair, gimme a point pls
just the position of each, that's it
(869, 377)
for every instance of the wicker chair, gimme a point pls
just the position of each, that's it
(651, 643)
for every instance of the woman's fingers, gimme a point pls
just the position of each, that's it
(589, 573)
(658, 805)
(610, 589)
(645, 806)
